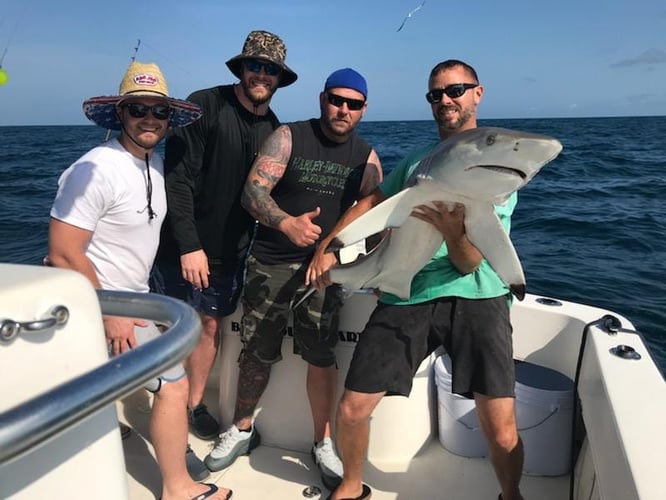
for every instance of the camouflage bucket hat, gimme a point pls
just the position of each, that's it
(268, 47)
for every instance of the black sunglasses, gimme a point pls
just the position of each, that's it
(255, 66)
(137, 110)
(338, 101)
(452, 91)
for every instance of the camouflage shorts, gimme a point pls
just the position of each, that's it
(270, 292)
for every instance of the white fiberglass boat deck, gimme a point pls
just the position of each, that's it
(63, 445)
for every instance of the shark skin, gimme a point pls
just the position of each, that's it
(478, 168)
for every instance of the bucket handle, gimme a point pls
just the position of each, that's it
(458, 421)
(554, 410)
(520, 429)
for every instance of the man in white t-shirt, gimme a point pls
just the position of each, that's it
(105, 223)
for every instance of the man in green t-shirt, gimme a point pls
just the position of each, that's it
(456, 301)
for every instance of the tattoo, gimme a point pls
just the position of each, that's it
(252, 381)
(266, 172)
(372, 175)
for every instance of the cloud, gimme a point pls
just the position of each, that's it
(529, 79)
(650, 56)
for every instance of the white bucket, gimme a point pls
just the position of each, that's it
(459, 429)
(544, 400)
(544, 403)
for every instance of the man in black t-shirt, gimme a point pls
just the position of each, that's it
(205, 238)
(304, 178)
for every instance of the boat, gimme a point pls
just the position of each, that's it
(62, 398)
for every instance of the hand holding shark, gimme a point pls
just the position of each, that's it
(478, 168)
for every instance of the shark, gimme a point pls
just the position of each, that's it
(479, 168)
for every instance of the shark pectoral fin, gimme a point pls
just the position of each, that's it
(485, 232)
(359, 273)
(391, 212)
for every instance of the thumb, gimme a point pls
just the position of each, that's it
(315, 213)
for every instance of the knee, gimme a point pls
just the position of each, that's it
(178, 389)
(504, 439)
(353, 413)
(210, 326)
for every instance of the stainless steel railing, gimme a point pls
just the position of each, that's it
(36, 421)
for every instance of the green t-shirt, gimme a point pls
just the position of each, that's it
(439, 278)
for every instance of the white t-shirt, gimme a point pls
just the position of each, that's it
(105, 191)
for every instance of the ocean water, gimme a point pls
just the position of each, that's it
(589, 228)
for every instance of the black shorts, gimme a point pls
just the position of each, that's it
(475, 333)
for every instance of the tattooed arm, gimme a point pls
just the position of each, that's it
(267, 170)
(372, 175)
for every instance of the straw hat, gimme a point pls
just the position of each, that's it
(265, 46)
(139, 80)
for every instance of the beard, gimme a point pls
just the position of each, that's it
(257, 94)
(445, 123)
(337, 128)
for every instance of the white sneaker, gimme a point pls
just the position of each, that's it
(326, 458)
(230, 445)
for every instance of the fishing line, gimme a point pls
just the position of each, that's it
(164, 56)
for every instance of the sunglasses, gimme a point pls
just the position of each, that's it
(137, 110)
(452, 91)
(255, 66)
(338, 101)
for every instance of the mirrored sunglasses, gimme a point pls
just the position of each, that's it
(452, 91)
(255, 66)
(138, 110)
(338, 101)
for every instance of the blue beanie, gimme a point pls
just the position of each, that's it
(349, 79)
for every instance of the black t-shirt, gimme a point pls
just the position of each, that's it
(206, 164)
(320, 173)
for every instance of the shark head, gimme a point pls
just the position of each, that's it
(479, 168)
(486, 163)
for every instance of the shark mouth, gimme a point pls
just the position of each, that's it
(503, 170)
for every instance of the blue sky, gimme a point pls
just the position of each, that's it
(535, 59)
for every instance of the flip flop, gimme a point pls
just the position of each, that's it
(366, 494)
(212, 489)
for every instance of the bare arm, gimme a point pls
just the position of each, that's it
(267, 170)
(372, 175)
(67, 250)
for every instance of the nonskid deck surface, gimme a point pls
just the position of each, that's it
(281, 474)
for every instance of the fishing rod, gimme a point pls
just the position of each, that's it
(4, 77)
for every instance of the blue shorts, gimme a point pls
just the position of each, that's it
(219, 299)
